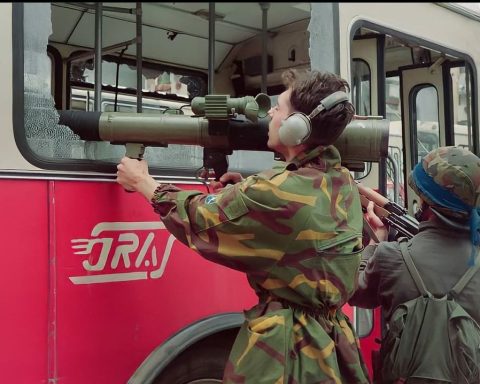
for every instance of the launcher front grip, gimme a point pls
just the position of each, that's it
(134, 150)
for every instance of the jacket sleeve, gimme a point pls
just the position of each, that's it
(367, 293)
(215, 225)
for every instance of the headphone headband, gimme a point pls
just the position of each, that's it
(329, 102)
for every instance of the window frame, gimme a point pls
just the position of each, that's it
(412, 101)
(78, 168)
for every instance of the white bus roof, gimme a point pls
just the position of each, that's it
(471, 10)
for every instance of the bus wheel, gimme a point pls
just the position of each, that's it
(202, 363)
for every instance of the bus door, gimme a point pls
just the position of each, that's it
(366, 82)
(423, 114)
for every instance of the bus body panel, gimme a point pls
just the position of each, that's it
(83, 314)
(165, 286)
(25, 295)
(98, 330)
(94, 282)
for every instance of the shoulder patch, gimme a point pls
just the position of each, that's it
(210, 199)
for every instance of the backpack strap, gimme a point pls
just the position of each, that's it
(412, 269)
(464, 280)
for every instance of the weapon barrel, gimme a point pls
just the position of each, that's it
(372, 195)
(84, 124)
(148, 129)
(162, 129)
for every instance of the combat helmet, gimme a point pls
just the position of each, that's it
(455, 170)
(448, 179)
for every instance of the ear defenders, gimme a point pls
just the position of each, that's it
(297, 127)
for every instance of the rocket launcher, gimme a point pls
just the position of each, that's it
(221, 125)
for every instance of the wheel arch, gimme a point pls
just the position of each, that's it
(166, 353)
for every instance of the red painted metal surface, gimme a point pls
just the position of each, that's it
(24, 284)
(105, 326)
(370, 344)
(93, 283)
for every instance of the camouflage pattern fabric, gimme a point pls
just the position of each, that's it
(456, 169)
(296, 232)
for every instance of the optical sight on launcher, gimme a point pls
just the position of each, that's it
(221, 124)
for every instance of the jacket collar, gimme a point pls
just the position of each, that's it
(321, 157)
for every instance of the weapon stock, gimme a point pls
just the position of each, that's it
(391, 214)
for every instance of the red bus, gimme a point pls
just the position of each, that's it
(96, 290)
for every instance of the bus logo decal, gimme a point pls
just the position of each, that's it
(129, 252)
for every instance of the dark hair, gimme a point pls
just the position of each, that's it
(308, 90)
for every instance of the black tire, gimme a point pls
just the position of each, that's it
(202, 363)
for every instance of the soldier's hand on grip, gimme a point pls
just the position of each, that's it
(225, 179)
(375, 223)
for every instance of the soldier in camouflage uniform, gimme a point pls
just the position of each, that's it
(295, 230)
(447, 181)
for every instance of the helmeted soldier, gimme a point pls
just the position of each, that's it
(295, 230)
(447, 181)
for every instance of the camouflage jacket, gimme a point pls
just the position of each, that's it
(295, 230)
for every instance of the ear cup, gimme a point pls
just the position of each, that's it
(295, 129)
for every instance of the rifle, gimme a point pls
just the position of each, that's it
(391, 213)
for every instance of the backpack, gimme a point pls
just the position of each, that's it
(431, 339)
